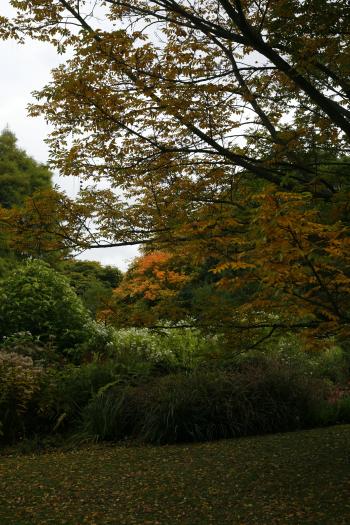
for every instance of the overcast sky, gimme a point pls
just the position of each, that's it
(25, 68)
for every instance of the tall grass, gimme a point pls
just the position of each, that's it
(204, 405)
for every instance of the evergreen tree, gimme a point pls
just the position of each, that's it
(20, 175)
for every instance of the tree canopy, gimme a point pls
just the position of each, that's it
(172, 88)
(20, 175)
(92, 282)
(222, 128)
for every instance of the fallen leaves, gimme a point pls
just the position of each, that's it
(292, 478)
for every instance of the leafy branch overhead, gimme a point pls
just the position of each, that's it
(221, 129)
(177, 88)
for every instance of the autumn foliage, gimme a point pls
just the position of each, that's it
(222, 131)
(151, 288)
(284, 266)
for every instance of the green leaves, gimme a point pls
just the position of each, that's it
(37, 299)
(20, 175)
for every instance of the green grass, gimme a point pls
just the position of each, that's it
(293, 478)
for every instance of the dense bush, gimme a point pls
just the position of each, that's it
(64, 392)
(167, 350)
(92, 281)
(164, 388)
(41, 401)
(25, 344)
(37, 299)
(99, 342)
(333, 364)
(329, 362)
(342, 414)
(19, 382)
(204, 405)
(126, 357)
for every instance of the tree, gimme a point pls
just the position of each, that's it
(20, 175)
(220, 71)
(149, 292)
(92, 282)
(198, 112)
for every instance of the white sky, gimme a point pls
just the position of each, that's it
(24, 69)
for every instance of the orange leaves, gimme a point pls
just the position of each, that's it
(304, 257)
(48, 221)
(277, 253)
(29, 229)
(152, 261)
(148, 291)
(152, 275)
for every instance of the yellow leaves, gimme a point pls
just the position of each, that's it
(233, 265)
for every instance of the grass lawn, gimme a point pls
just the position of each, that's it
(295, 478)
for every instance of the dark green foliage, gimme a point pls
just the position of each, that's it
(25, 344)
(19, 382)
(8, 260)
(64, 393)
(92, 281)
(37, 299)
(67, 391)
(343, 410)
(32, 404)
(111, 416)
(22, 373)
(334, 364)
(204, 405)
(332, 413)
(20, 175)
(162, 388)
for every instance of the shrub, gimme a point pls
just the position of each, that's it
(37, 299)
(25, 344)
(331, 413)
(203, 405)
(333, 364)
(19, 382)
(65, 392)
(167, 350)
(343, 410)
(99, 343)
(112, 415)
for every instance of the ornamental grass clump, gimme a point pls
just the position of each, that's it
(203, 406)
